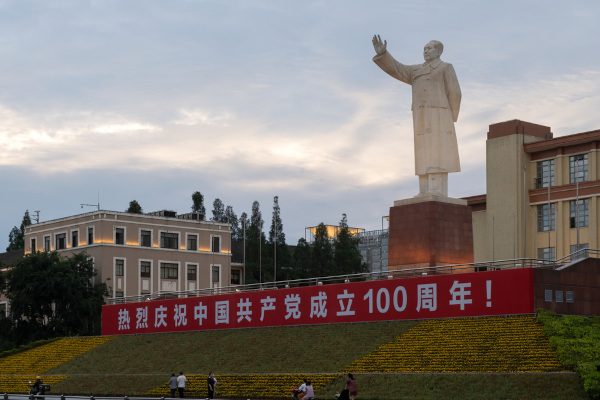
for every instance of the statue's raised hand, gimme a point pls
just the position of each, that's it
(380, 47)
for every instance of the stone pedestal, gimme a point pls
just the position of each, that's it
(429, 231)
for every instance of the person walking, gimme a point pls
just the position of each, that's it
(211, 383)
(310, 393)
(181, 380)
(351, 386)
(173, 385)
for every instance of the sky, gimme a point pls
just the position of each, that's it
(111, 101)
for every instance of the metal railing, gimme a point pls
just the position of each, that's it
(368, 276)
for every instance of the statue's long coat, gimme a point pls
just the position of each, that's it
(435, 105)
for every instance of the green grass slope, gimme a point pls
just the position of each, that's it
(138, 365)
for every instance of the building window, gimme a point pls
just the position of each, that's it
(559, 296)
(215, 273)
(61, 241)
(579, 213)
(192, 273)
(119, 267)
(145, 268)
(3, 309)
(145, 238)
(546, 253)
(545, 174)
(582, 246)
(90, 235)
(75, 239)
(545, 217)
(192, 242)
(569, 296)
(169, 240)
(236, 277)
(119, 294)
(33, 247)
(47, 243)
(548, 295)
(216, 244)
(578, 168)
(119, 235)
(169, 271)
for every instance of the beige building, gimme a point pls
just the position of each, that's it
(542, 194)
(138, 254)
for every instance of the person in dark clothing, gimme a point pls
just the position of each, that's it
(210, 381)
(38, 386)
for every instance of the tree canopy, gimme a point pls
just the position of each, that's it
(53, 296)
(198, 204)
(134, 207)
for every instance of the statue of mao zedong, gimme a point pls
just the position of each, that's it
(435, 105)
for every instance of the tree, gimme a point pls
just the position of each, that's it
(257, 254)
(346, 255)
(134, 207)
(232, 219)
(322, 262)
(281, 255)
(53, 296)
(244, 225)
(16, 237)
(218, 211)
(198, 204)
(302, 260)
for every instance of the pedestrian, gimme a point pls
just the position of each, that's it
(181, 380)
(351, 386)
(211, 383)
(173, 385)
(302, 390)
(310, 393)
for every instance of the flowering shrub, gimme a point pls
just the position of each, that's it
(489, 344)
(248, 385)
(41, 359)
(19, 369)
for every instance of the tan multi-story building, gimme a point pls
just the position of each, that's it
(542, 194)
(138, 254)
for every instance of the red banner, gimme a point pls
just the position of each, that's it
(442, 296)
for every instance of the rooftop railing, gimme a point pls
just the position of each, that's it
(368, 276)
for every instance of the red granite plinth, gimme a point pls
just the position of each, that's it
(429, 233)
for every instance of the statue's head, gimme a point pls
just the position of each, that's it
(433, 50)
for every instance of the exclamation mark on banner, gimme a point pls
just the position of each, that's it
(488, 287)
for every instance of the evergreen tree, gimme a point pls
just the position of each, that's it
(134, 207)
(198, 204)
(244, 225)
(302, 260)
(281, 255)
(16, 237)
(322, 260)
(218, 211)
(257, 254)
(232, 219)
(347, 258)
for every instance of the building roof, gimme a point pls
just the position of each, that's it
(563, 141)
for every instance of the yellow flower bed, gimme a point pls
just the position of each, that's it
(20, 383)
(248, 386)
(488, 344)
(41, 359)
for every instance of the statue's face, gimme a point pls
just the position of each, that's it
(430, 53)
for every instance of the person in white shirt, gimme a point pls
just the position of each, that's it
(181, 380)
